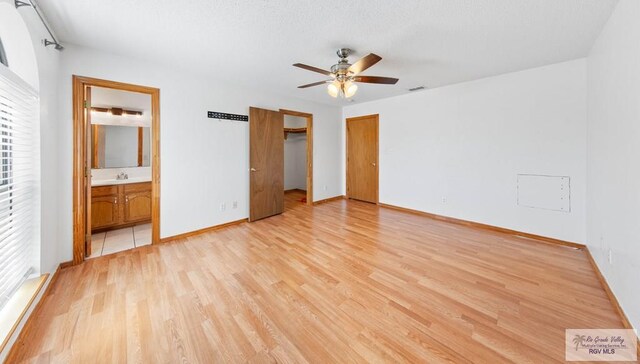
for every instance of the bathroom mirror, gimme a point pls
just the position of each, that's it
(120, 146)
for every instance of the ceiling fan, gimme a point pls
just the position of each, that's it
(344, 75)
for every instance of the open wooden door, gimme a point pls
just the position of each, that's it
(88, 141)
(266, 162)
(362, 158)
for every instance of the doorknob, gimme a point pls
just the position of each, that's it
(253, 170)
(373, 164)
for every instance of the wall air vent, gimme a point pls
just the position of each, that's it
(418, 88)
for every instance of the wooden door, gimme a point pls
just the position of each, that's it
(87, 180)
(266, 162)
(362, 158)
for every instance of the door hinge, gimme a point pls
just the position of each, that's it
(87, 172)
(85, 104)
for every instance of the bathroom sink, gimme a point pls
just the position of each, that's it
(113, 181)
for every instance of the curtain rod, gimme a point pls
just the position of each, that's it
(54, 42)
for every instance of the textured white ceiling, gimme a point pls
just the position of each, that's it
(422, 42)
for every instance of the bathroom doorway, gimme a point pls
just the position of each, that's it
(298, 155)
(116, 187)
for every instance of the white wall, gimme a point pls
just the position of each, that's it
(466, 143)
(48, 65)
(613, 158)
(17, 44)
(295, 162)
(204, 162)
(291, 121)
(107, 98)
(295, 155)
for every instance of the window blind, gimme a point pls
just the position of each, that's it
(19, 182)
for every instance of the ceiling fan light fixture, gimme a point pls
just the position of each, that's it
(350, 89)
(333, 89)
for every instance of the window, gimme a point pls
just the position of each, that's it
(3, 55)
(19, 183)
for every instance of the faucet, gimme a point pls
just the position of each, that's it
(122, 175)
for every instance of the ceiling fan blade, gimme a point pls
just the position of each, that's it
(314, 84)
(364, 63)
(376, 79)
(312, 69)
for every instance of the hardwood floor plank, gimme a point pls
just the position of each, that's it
(343, 281)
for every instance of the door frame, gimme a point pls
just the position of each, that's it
(309, 118)
(80, 158)
(346, 147)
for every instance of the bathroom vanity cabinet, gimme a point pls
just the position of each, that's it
(116, 206)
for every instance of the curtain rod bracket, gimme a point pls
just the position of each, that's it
(56, 45)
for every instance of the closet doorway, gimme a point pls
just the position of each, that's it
(267, 134)
(298, 154)
(116, 162)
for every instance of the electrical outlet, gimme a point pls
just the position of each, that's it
(444, 200)
(610, 257)
(223, 206)
(235, 204)
(324, 187)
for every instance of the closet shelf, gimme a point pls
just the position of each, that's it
(294, 131)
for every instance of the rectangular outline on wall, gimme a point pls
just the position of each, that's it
(540, 175)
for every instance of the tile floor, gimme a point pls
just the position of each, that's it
(114, 241)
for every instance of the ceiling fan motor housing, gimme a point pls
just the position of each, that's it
(341, 69)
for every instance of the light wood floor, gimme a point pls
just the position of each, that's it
(338, 282)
